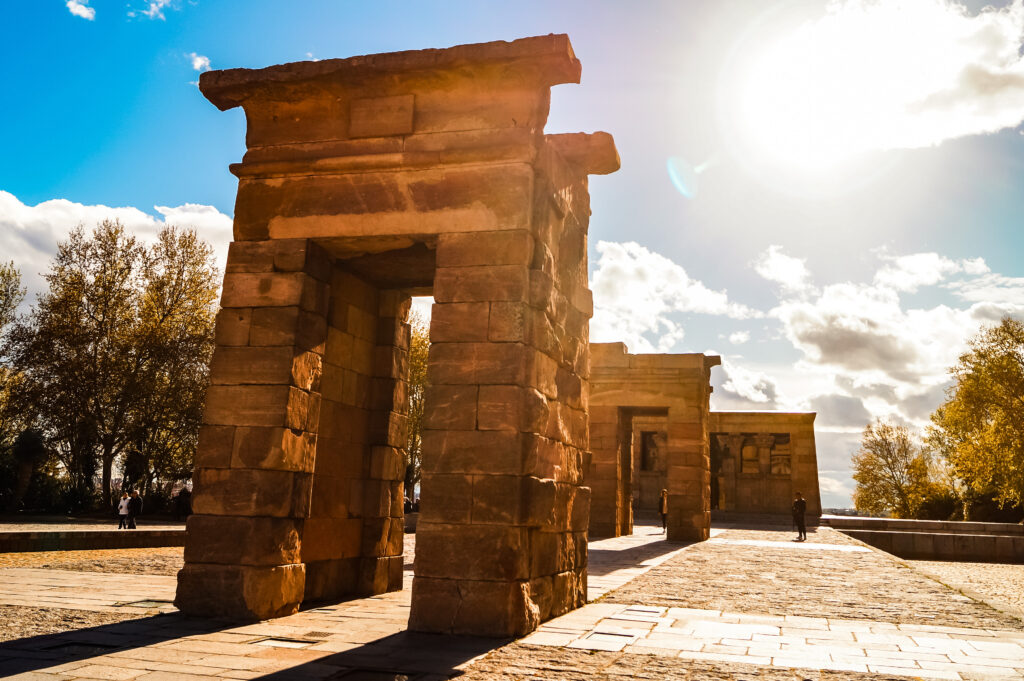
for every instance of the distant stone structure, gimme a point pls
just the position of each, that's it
(366, 181)
(760, 459)
(653, 408)
(651, 428)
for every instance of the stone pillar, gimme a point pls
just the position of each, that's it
(606, 424)
(501, 537)
(689, 475)
(256, 448)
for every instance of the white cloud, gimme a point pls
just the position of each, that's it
(738, 387)
(990, 288)
(635, 291)
(80, 8)
(155, 9)
(909, 272)
(199, 62)
(29, 234)
(789, 272)
(871, 75)
(739, 337)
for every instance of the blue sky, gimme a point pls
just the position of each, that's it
(845, 211)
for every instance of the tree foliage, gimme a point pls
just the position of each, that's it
(979, 430)
(419, 348)
(891, 471)
(114, 355)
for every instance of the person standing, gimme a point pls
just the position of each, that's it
(122, 512)
(134, 508)
(663, 510)
(799, 509)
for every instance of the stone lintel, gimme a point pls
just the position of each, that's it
(594, 154)
(548, 60)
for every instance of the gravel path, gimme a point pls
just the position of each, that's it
(18, 622)
(157, 561)
(1002, 586)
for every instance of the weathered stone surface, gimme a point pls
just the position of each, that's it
(233, 540)
(366, 181)
(239, 591)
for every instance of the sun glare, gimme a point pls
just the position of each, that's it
(865, 77)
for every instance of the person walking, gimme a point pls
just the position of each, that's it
(134, 508)
(799, 509)
(663, 510)
(122, 512)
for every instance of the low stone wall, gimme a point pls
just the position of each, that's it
(978, 548)
(843, 523)
(14, 542)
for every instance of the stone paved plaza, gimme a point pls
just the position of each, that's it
(746, 604)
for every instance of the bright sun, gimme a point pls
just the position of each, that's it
(871, 76)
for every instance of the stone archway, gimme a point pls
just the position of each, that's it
(368, 180)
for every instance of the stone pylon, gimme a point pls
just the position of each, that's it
(673, 388)
(367, 181)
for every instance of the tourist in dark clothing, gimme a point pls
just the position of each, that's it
(663, 510)
(134, 508)
(799, 509)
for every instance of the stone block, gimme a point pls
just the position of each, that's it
(240, 592)
(263, 290)
(510, 407)
(341, 458)
(497, 499)
(230, 540)
(273, 449)
(446, 551)
(459, 322)
(481, 284)
(332, 497)
(508, 322)
(331, 579)
(472, 452)
(246, 405)
(498, 609)
(467, 249)
(215, 446)
(241, 492)
(446, 498)
(387, 463)
(450, 407)
(477, 363)
(233, 325)
(251, 365)
(288, 326)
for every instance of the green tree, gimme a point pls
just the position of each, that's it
(115, 352)
(419, 348)
(891, 471)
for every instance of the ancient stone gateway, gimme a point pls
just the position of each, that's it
(760, 458)
(368, 180)
(657, 406)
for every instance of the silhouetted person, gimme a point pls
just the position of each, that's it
(134, 508)
(799, 509)
(663, 510)
(183, 504)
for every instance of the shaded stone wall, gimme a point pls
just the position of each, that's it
(368, 180)
(762, 459)
(676, 387)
